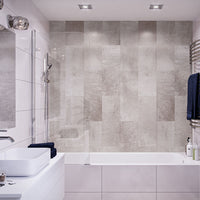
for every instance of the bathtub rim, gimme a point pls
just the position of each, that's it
(85, 158)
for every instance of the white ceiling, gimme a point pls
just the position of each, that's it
(119, 10)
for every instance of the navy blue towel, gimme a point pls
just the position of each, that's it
(193, 104)
(45, 145)
(53, 152)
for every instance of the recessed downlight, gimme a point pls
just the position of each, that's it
(85, 6)
(156, 6)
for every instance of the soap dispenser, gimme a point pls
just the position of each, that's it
(189, 148)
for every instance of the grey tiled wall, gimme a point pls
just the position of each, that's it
(119, 86)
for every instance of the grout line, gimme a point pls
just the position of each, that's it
(101, 182)
(134, 192)
(156, 183)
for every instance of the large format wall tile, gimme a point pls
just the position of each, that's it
(165, 58)
(165, 33)
(111, 33)
(110, 108)
(121, 85)
(93, 59)
(129, 110)
(110, 133)
(146, 58)
(165, 83)
(129, 58)
(74, 26)
(95, 136)
(147, 33)
(129, 33)
(166, 108)
(93, 33)
(129, 179)
(165, 136)
(80, 178)
(129, 137)
(147, 83)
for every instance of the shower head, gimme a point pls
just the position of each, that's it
(18, 22)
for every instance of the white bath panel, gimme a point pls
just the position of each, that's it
(129, 196)
(178, 196)
(178, 179)
(82, 196)
(82, 178)
(129, 179)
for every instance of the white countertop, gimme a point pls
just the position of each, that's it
(24, 183)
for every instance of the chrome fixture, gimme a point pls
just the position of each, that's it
(1, 4)
(18, 22)
(46, 72)
(2, 27)
(47, 69)
(85, 6)
(7, 138)
(195, 51)
(33, 87)
(3, 130)
(156, 6)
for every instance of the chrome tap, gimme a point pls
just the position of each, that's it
(7, 138)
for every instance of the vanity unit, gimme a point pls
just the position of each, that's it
(47, 184)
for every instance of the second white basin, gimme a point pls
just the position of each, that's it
(24, 161)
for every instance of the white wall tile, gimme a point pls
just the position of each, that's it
(39, 71)
(22, 132)
(23, 67)
(177, 179)
(129, 179)
(23, 40)
(80, 178)
(41, 47)
(23, 95)
(40, 121)
(82, 196)
(39, 96)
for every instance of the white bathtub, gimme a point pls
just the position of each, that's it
(128, 176)
(149, 158)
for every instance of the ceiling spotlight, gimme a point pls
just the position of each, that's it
(156, 6)
(85, 6)
(18, 22)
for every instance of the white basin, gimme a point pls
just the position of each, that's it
(24, 161)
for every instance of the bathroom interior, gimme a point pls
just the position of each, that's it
(99, 99)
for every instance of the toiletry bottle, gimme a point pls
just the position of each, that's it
(196, 152)
(194, 147)
(189, 148)
(2, 179)
(186, 145)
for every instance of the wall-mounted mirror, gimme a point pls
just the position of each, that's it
(7, 78)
